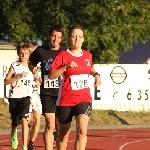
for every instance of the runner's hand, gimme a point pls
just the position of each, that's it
(35, 70)
(23, 74)
(37, 78)
(38, 83)
(72, 64)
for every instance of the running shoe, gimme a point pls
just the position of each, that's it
(24, 148)
(14, 140)
(31, 146)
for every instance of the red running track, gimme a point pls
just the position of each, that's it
(116, 139)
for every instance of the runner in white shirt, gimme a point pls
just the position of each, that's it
(21, 80)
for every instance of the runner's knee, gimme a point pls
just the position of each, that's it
(50, 125)
(81, 132)
(36, 121)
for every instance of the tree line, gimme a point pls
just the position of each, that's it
(111, 26)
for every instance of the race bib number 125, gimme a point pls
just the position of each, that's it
(79, 81)
(50, 83)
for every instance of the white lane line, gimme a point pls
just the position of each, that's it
(122, 146)
(8, 140)
(4, 141)
(116, 134)
(113, 136)
(121, 135)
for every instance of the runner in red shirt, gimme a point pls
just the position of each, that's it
(76, 91)
(73, 66)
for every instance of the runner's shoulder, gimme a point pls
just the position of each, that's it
(86, 51)
(45, 47)
(15, 63)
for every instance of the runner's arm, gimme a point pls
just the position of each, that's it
(34, 59)
(9, 79)
(33, 68)
(94, 73)
(56, 73)
(57, 68)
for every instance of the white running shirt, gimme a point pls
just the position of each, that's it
(21, 87)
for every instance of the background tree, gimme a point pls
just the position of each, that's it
(16, 17)
(110, 26)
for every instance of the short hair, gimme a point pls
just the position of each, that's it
(57, 27)
(33, 43)
(75, 27)
(21, 46)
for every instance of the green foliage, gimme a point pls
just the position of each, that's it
(17, 17)
(110, 26)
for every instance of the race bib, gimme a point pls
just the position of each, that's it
(23, 82)
(79, 81)
(50, 83)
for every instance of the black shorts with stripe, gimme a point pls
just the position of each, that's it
(66, 113)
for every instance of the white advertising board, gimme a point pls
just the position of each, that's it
(122, 84)
(4, 89)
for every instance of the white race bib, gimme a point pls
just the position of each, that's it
(23, 82)
(79, 81)
(50, 83)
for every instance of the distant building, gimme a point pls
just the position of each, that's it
(139, 54)
(7, 52)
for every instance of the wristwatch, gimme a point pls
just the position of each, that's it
(96, 73)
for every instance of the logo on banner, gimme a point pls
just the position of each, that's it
(118, 75)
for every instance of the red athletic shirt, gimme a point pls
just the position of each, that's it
(74, 87)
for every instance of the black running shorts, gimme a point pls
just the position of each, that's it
(66, 113)
(48, 104)
(19, 108)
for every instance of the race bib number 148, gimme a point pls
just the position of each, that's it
(79, 81)
(50, 83)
